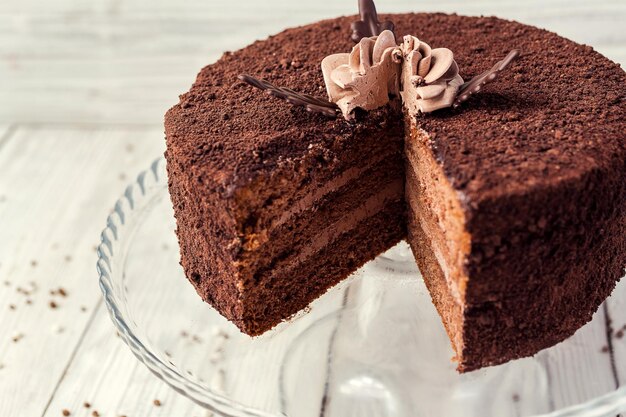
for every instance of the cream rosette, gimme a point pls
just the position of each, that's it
(430, 78)
(364, 78)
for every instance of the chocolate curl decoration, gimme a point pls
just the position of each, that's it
(369, 25)
(478, 82)
(310, 103)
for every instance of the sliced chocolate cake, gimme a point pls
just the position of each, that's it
(514, 202)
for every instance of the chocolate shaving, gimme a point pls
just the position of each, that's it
(368, 25)
(478, 82)
(312, 104)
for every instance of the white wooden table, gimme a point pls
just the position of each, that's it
(83, 87)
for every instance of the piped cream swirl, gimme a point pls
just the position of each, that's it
(377, 68)
(366, 77)
(430, 77)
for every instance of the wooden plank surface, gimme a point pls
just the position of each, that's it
(617, 332)
(593, 374)
(58, 186)
(5, 132)
(118, 383)
(76, 62)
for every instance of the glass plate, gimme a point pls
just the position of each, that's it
(372, 346)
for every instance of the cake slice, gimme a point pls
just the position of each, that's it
(514, 204)
(269, 222)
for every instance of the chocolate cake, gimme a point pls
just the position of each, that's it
(514, 203)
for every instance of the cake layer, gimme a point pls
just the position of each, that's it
(437, 208)
(436, 232)
(206, 256)
(450, 310)
(270, 272)
(268, 202)
(285, 291)
(301, 245)
(306, 201)
(376, 183)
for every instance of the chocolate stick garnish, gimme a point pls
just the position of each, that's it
(310, 103)
(369, 24)
(478, 82)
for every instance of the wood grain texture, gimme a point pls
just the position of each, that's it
(118, 383)
(126, 62)
(617, 331)
(593, 374)
(4, 132)
(57, 188)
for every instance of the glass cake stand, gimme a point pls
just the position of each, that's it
(372, 346)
